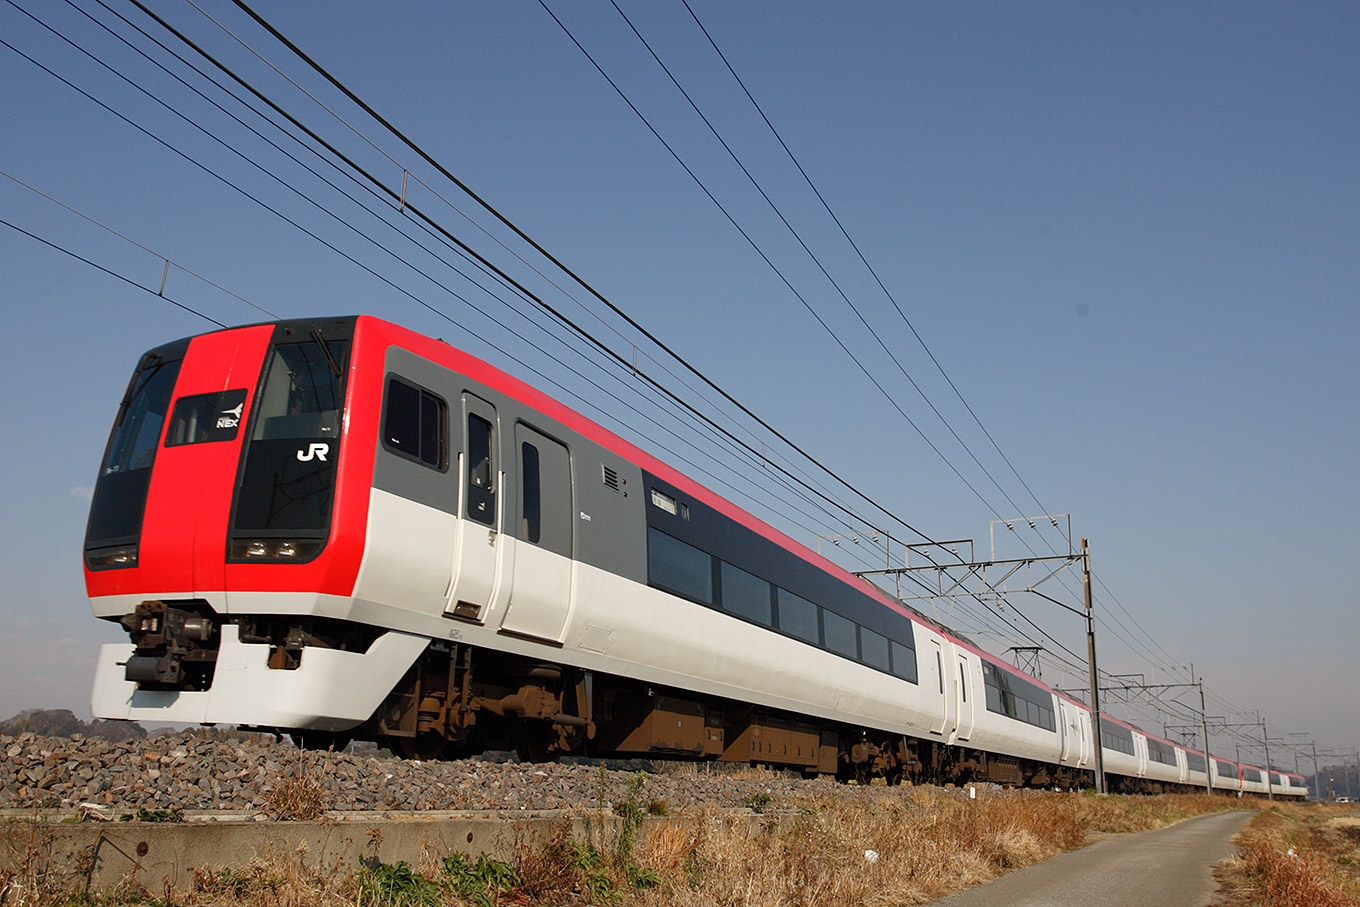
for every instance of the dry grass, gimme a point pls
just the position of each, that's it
(858, 846)
(274, 880)
(886, 847)
(1295, 855)
(1116, 814)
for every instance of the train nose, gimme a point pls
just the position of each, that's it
(164, 497)
(190, 499)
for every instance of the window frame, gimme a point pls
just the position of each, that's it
(423, 394)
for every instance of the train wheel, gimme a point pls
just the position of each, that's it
(426, 747)
(533, 744)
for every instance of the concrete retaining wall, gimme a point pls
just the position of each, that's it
(70, 855)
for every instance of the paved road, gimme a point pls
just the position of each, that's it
(1169, 867)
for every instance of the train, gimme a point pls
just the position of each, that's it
(340, 529)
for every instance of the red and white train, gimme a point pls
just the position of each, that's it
(340, 528)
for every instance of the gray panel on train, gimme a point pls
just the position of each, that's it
(543, 515)
(610, 529)
(407, 476)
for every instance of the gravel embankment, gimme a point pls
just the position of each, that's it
(181, 771)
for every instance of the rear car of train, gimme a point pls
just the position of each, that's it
(227, 530)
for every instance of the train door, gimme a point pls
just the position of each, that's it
(478, 541)
(541, 596)
(934, 688)
(1067, 722)
(1088, 747)
(964, 698)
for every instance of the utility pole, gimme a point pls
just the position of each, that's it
(1204, 726)
(1265, 742)
(1091, 663)
(968, 579)
(1317, 778)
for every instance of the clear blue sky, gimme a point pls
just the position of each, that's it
(1128, 232)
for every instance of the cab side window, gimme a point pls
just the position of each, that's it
(415, 424)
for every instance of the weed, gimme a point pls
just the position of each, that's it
(300, 796)
(545, 872)
(1292, 857)
(395, 885)
(481, 881)
(153, 815)
(594, 873)
(757, 801)
(601, 787)
(629, 809)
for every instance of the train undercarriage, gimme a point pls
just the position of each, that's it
(458, 701)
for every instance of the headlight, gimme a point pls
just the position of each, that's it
(275, 549)
(107, 558)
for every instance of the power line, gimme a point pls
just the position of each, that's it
(168, 261)
(566, 270)
(114, 274)
(365, 236)
(862, 258)
(418, 271)
(803, 244)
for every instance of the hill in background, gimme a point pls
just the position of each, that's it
(64, 723)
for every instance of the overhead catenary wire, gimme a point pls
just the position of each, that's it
(1126, 635)
(897, 306)
(320, 70)
(110, 272)
(381, 120)
(802, 243)
(854, 245)
(779, 273)
(169, 262)
(248, 195)
(517, 361)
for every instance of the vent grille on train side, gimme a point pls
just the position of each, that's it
(611, 478)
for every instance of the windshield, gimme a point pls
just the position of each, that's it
(288, 481)
(301, 397)
(120, 494)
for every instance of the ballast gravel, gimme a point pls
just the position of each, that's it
(182, 771)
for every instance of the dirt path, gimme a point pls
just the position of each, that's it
(1169, 867)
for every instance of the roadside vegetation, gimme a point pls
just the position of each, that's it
(1295, 855)
(870, 845)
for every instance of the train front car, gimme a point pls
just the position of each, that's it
(226, 533)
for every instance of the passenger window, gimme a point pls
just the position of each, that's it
(840, 634)
(873, 649)
(903, 660)
(678, 567)
(798, 617)
(481, 472)
(745, 594)
(415, 424)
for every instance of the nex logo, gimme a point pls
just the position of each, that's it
(315, 451)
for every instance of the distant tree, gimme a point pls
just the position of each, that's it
(115, 729)
(64, 723)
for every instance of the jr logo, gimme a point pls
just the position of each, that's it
(315, 451)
